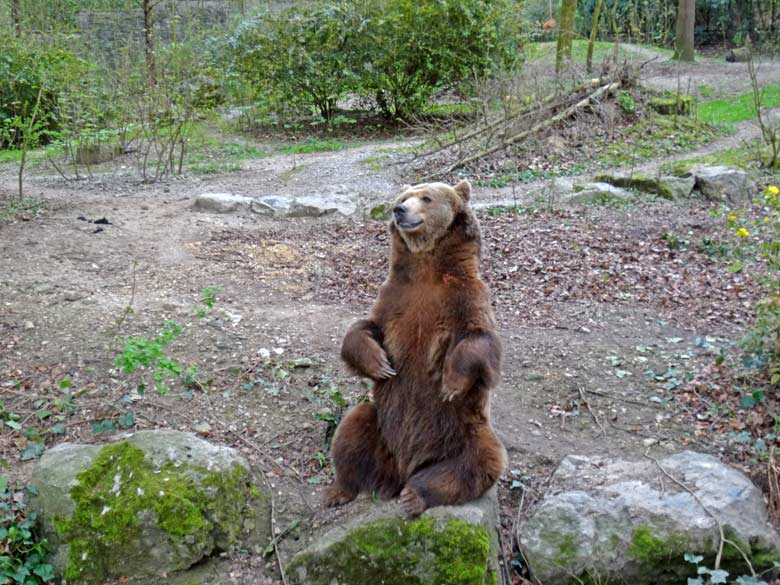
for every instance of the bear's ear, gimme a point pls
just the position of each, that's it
(463, 188)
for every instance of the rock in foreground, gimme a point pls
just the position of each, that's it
(151, 504)
(630, 521)
(448, 544)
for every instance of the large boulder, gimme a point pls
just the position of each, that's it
(447, 544)
(221, 202)
(319, 205)
(677, 187)
(598, 192)
(724, 184)
(150, 504)
(629, 519)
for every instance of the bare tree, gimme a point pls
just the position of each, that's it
(565, 32)
(16, 16)
(683, 43)
(148, 7)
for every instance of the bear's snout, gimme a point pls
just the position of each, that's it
(399, 211)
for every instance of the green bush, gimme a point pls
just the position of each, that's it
(399, 53)
(27, 69)
(300, 57)
(416, 49)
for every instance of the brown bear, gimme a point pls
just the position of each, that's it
(430, 346)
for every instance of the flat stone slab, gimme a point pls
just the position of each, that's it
(221, 202)
(447, 544)
(628, 519)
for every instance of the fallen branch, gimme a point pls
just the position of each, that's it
(590, 410)
(567, 113)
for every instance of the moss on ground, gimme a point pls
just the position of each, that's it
(193, 507)
(637, 182)
(397, 552)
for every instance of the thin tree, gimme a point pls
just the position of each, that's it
(565, 32)
(16, 17)
(594, 31)
(683, 43)
(151, 62)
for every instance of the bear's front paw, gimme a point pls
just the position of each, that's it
(412, 503)
(380, 368)
(454, 385)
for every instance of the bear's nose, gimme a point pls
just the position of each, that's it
(399, 211)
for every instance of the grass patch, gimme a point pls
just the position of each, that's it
(530, 175)
(656, 136)
(11, 209)
(733, 157)
(545, 51)
(313, 145)
(738, 108)
(215, 167)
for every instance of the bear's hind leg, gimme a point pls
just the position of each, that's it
(456, 480)
(361, 459)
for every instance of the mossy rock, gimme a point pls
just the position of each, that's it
(611, 520)
(637, 182)
(672, 104)
(448, 545)
(151, 504)
(92, 154)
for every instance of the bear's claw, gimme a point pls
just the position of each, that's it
(411, 502)
(335, 496)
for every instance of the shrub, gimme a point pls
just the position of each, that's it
(416, 49)
(301, 57)
(398, 52)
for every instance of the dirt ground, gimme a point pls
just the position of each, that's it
(599, 316)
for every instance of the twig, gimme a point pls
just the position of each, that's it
(590, 410)
(621, 398)
(129, 308)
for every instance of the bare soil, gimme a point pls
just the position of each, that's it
(598, 315)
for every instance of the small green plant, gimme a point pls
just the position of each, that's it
(707, 576)
(23, 552)
(208, 298)
(626, 102)
(675, 242)
(143, 353)
(705, 91)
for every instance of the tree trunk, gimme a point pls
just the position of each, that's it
(16, 16)
(151, 65)
(594, 31)
(565, 32)
(683, 44)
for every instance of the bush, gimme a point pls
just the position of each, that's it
(398, 52)
(300, 57)
(27, 69)
(416, 49)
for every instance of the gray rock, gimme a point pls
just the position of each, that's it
(150, 504)
(628, 520)
(271, 205)
(724, 184)
(679, 187)
(221, 202)
(91, 154)
(319, 205)
(597, 193)
(379, 546)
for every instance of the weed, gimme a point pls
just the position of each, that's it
(208, 298)
(313, 145)
(22, 551)
(705, 91)
(627, 103)
(11, 209)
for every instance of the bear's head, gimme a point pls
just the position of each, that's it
(424, 214)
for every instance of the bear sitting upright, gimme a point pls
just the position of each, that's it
(430, 346)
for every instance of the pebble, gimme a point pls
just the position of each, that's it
(71, 295)
(29, 325)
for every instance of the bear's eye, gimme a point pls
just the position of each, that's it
(426, 199)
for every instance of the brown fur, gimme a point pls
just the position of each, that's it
(430, 346)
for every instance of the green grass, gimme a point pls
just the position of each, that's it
(529, 175)
(738, 108)
(13, 208)
(733, 157)
(579, 50)
(313, 145)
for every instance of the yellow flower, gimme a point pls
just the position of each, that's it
(743, 233)
(773, 191)
(766, 220)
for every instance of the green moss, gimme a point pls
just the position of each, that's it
(105, 533)
(672, 104)
(380, 212)
(638, 182)
(397, 552)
